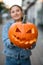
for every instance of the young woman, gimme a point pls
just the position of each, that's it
(14, 55)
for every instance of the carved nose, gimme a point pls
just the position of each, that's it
(23, 36)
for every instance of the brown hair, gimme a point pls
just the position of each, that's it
(19, 7)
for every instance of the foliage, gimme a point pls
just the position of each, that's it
(3, 8)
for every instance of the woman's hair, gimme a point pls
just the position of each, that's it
(20, 9)
(17, 6)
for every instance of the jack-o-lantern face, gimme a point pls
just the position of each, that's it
(23, 35)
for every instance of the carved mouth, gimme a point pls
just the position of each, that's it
(24, 41)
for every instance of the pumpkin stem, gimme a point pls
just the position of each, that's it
(24, 19)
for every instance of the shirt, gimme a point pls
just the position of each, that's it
(10, 49)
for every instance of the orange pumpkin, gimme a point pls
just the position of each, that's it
(23, 35)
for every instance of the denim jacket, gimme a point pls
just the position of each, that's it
(9, 49)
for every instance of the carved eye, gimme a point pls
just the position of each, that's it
(17, 30)
(33, 31)
(29, 31)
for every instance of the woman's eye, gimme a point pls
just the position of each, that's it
(12, 12)
(17, 10)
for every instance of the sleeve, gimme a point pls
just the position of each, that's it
(5, 38)
(33, 46)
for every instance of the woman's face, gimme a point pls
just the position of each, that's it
(16, 13)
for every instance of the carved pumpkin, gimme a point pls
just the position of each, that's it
(23, 35)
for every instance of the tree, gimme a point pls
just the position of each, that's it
(2, 7)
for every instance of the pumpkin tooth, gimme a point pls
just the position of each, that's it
(26, 42)
(32, 41)
(21, 42)
(17, 39)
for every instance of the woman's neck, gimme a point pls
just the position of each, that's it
(18, 20)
